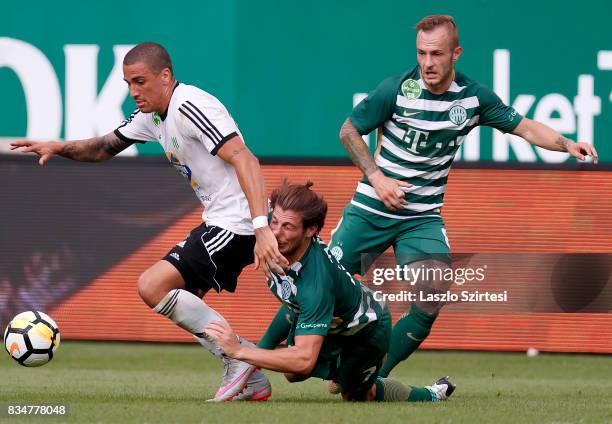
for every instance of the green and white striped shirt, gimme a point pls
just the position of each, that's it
(326, 298)
(420, 135)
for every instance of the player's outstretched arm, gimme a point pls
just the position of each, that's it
(299, 359)
(90, 150)
(251, 180)
(388, 189)
(543, 136)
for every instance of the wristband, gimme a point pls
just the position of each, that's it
(260, 221)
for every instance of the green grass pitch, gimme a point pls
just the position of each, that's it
(129, 382)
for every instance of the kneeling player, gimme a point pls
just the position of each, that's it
(339, 331)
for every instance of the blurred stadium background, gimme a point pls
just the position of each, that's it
(75, 237)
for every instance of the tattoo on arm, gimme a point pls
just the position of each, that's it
(113, 144)
(94, 149)
(563, 142)
(237, 151)
(357, 148)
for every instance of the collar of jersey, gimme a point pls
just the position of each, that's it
(163, 115)
(297, 265)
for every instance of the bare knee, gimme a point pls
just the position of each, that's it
(295, 378)
(146, 288)
(431, 285)
(157, 281)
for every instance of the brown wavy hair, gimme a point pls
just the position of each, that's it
(301, 199)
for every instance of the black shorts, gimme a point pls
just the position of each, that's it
(211, 257)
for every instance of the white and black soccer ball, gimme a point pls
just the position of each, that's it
(31, 338)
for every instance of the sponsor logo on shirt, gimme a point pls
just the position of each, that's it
(303, 325)
(411, 89)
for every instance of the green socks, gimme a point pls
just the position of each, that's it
(390, 390)
(407, 334)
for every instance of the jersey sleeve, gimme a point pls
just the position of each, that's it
(316, 306)
(208, 121)
(135, 129)
(377, 108)
(494, 113)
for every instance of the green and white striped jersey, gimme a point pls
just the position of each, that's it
(420, 133)
(325, 297)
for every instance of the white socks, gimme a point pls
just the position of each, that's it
(190, 313)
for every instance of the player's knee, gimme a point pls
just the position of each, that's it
(147, 289)
(294, 377)
(432, 285)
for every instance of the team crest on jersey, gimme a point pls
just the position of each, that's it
(337, 252)
(175, 143)
(411, 89)
(287, 287)
(457, 115)
(156, 119)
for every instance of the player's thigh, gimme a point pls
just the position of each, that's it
(361, 359)
(359, 234)
(422, 239)
(211, 257)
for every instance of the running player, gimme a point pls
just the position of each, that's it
(423, 117)
(202, 141)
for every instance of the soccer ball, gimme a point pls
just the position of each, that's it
(31, 338)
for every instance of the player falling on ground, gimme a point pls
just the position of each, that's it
(202, 141)
(424, 116)
(338, 330)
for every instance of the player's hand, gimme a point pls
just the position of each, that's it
(224, 336)
(390, 191)
(267, 253)
(580, 150)
(43, 149)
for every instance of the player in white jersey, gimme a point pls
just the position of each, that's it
(203, 143)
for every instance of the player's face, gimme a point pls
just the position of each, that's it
(148, 88)
(290, 233)
(436, 55)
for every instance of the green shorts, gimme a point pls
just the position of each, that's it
(354, 361)
(362, 236)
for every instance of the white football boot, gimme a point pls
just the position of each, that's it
(441, 389)
(258, 389)
(235, 377)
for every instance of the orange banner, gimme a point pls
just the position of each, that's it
(485, 211)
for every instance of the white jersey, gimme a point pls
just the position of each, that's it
(192, 132)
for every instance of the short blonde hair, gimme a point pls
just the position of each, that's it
(433, 21)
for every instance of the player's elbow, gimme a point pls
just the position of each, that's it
(305, 363)
(525, 130)
(304, 366)
(253, 159)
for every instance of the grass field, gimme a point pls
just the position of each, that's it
(125, 382)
